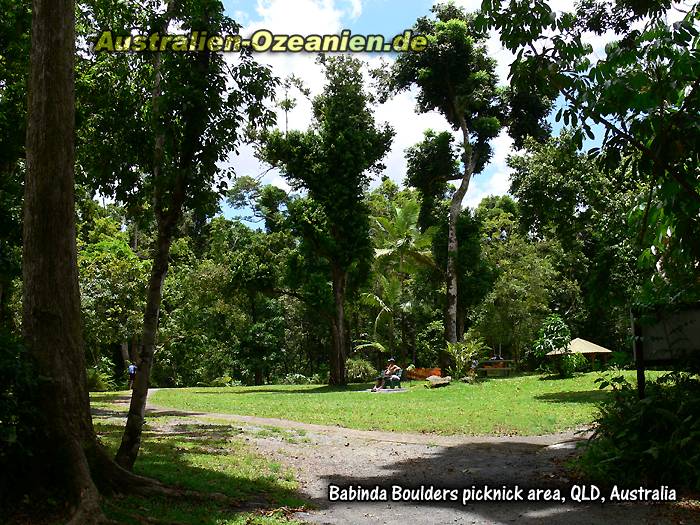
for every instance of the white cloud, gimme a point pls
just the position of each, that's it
(301, 16)
(355, 8)
(324, 16)
(298, 17)
(331, 16)
(277, 180)
(496, 178)
(408, 127)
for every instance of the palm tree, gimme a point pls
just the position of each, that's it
(387, 300)
(401, 249)
(401, 244)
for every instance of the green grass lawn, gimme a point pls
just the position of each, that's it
(524, 405)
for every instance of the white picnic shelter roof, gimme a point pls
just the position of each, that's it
(581, 346)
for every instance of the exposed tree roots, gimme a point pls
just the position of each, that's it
(108, 479)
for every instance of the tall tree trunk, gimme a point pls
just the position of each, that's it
(72, 459)
(51, 300)
(460, 322)
(169, 199)
(469, 162)
(258, 378)
(338, 329)
(2, 303)
(413, 343)
(131, 439)
(124, 350)
(452, 248)
(135, 238)
(168, 215)
(404, 345)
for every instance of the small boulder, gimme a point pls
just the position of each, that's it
(437, 381)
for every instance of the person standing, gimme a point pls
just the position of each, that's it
(132, 374)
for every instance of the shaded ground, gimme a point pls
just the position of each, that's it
(322, 455)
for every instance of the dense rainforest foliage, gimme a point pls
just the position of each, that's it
(118, 243)
(248, 301)
(257, 300)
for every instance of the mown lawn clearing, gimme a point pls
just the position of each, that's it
(524, 405)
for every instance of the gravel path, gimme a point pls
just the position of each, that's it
(324, 455)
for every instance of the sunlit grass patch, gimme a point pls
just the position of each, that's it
(522, 405)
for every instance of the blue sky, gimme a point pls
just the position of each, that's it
(387, 17)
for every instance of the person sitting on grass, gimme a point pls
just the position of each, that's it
(389, 371)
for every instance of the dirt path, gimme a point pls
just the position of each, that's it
(323, 455)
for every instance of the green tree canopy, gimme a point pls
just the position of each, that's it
(644, 91)
(333, 161)
(456, 77)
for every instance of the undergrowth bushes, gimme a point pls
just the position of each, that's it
(360, 370)
(655, 440)
(21, 431)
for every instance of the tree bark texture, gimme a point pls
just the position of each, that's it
(452, 248)
(469, 161)
(51, 300)
(131, 439)
(339, 347)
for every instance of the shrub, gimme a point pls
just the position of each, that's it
(320, 378)
(471, 347)
(224, 380)
(98, 381)
(655, 440)
(295, 379)
(620, 360)
(554, 335)
(99, 377)
(579, 363)
(429, 342)
(360, 370)
(21, 430)
(566, 365)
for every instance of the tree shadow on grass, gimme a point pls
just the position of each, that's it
(151, 413)
(553, 377)
(116, 397)
(321, 389)
(581, 396)
(195, 431)
(206, 459)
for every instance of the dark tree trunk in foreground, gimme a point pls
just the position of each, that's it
(51, 300)
(72, 461)
(339, 344)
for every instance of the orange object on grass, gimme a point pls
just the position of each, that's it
(421, 373)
